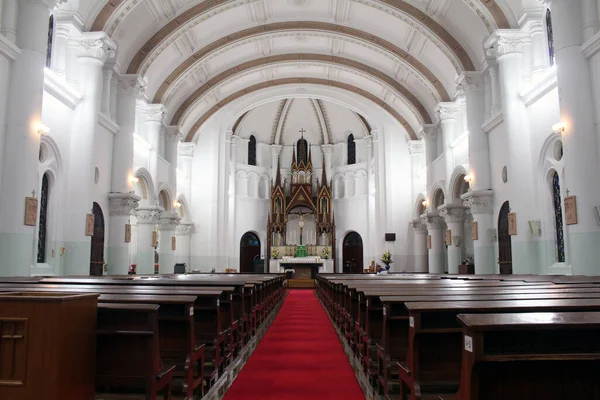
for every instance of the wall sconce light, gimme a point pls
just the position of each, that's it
(42, 129)
(558, 127)
(134, 179)
(468, 178)
(425, 203)
(176, 204)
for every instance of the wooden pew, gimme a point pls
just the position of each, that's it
(551, 356)
(433, 359)
(128, 353)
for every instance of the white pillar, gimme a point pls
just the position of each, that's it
(420, 246)
(495, 86)
(371, 205)
(481, 207)
(455, 220)
(186, 157)
(154, 113)
(166, 255)
(118, 252)
(173, 135)
(448, 113)
(107, 76)
(147, 221)
(435, 225)
(59, 47)
(327, 149)
(416, 149)
(184, 232)
(539, 46)
(507, 46)
(579, 138)
(93, 50)
(429, 133)
(25, 23)
(275, 153)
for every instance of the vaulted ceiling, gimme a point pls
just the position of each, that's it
(199, 56)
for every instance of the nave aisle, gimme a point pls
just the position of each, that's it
(300, 357)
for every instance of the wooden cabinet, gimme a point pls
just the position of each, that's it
(464, 269)
(47, 346)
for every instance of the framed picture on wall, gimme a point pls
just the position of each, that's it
(89, 225)
(174, 243)
(154, 239)
(512, 224)
(448, 237)
(31, 210)
(429, 241)
(571, 210)
(127, 233)
(474, 231)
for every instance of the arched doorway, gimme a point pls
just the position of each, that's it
(97, 253)
(352, 258)
(504, 241)
(249, 252)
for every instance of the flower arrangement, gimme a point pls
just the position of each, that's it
(386, 258)
(326, 252)
(275, 253)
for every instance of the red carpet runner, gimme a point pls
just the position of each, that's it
(300, 357)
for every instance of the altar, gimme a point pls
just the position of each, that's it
(303, 268)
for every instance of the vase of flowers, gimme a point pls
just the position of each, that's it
(386, 258)
(275, 253)
(326, 252)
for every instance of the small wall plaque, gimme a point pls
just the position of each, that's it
(154, 239)
(89, 225)
(474, 231)
(127, 233)
(174, 243)
(429, 241)
(512, 224)
(31, 210)
(571, 210)
(448, 237)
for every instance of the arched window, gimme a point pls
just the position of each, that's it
(351, 150)
(50, 37)
(252, 151)
(558, 218)
(42, 226)
(550, 36)
(302, 151)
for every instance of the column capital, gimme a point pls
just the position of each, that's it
(173, 133)
(132, 84)
(452, 213)
(416, 146)
(153, 112)
(432, 221)
(186, 149)
(276, 150)
(429, 132)
(148, 215)
(506, 41)
(123, 203)
(327, 148)
(168, 221)
(375, 135)
(448, 110)
(479, 202)
(95, 45)
(185, 229)
(418, 227)
(470, 82)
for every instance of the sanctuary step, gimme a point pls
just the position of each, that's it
(301, 283)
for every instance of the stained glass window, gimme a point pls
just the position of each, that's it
(558, 216)
(41, 255)
(252, 151)
(50, 37)
(351, 150)
(550, 36)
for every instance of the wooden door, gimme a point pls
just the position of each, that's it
(352, 256)
(249, 252)
(97, 253)
(504, 241)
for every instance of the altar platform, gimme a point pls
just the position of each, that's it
(302, 267)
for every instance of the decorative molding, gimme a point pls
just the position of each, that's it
(148, 215)
(173, 133)
(153, 112)
(186, 149)
(591, 47)
(108, 123)
(418, 227)
(470, 82)
(542, 88)
(506, 41)
(429, 132)
(449, 110)
(8, 49)
(416, 146)
(452, 213)
(184, 229)
(60, 90)
(493, 122)
(432, 221)
(479, 202)
(123, 203)
(168, 221)
(96, 45)
(132, 84)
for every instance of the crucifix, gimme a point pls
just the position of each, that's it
(11, 337)
(301, 225)
(302, 132)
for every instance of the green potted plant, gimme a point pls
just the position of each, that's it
(326, 252)
(275, 253)
(386, 258)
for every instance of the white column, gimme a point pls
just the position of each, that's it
(507, 47)
(429, 133)
(93, 50)
(539, 46)
(186, 157)
(275, 153)
(455, 220)
(184, 232)
(435, 225)
(420, 246)
(173, 135)
(154, 113)
(371, 204)
(166, 255)
(107, 76)
(448, 113)
(579, 138)
(59, 47)
(481, 206)
(495, 85)
(118, 254)
(25, 23)
(147, 221)
(327, 149)
(416, 149)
